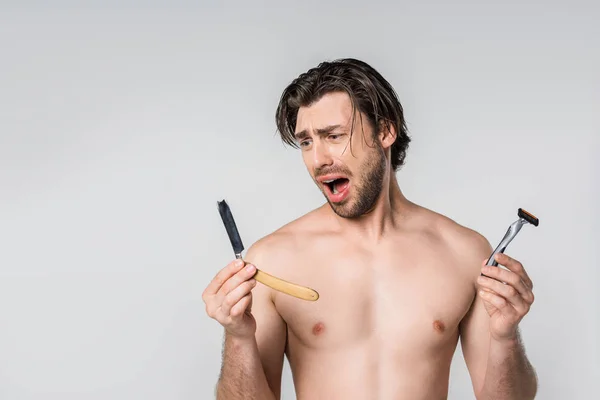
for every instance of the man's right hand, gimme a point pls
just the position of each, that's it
(228, 299)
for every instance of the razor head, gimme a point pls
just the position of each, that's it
(230, 227)
(527, 216)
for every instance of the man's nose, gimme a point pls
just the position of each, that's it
(321, 155)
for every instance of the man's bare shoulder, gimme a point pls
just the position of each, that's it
(465, 243)
(286, 242)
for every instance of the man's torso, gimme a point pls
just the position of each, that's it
(387, 319)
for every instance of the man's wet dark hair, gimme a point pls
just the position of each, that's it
(369, 92)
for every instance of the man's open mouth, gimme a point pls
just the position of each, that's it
(336, 185)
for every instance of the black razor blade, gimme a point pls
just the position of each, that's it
(231, 228)
(529, 217)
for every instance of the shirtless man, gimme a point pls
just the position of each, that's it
(399, 284)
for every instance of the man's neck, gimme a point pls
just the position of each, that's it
(384, 217)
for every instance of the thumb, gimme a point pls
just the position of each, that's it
(249, 308)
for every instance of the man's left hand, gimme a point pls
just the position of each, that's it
(507, 295)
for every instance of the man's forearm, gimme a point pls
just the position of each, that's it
(242, 375)
(509, 374)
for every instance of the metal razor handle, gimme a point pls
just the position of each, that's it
(508, 237)
(524, 218)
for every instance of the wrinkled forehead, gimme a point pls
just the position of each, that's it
(333, 109)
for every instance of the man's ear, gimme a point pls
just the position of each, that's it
(387, 134)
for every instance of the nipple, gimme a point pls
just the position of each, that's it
(318, 328)
(439, 326)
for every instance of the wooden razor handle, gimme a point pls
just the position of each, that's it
(286, 287)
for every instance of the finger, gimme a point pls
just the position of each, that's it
(236, 280)
(240, 307)
(215, 301)
(511, 278)
(514, 266)
(497, 301)
(506, 291)
(236, 295)
(222, 276)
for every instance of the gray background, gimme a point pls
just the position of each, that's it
(122, 125)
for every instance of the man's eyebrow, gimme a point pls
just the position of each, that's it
(301, 135)
(321, 131)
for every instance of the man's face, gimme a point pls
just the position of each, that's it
(348, 169)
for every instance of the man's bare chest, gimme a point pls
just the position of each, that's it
(415, 301)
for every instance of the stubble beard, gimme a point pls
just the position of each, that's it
(366, 189)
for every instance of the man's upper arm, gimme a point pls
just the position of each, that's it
(474, 328)
(271, 330)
